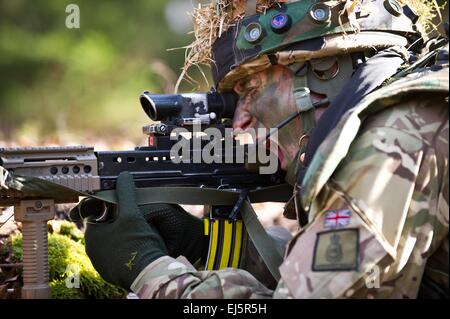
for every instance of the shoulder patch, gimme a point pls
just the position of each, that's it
(337, 250)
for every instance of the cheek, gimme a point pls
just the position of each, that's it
(273, 105)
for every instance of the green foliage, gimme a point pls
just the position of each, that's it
(66, 255)
(60, 291)
(17, 251)
(68, 229)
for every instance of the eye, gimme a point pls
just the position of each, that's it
(251, 92)
(253, 85)
(245, 91)
(248, 87)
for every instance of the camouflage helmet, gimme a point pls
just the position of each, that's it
(253, 35)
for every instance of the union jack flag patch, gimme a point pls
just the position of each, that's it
(337, 218)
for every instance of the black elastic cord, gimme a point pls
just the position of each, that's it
(291, 117)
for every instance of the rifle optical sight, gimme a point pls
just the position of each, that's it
(206, 108)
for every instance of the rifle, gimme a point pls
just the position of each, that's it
(43, 176)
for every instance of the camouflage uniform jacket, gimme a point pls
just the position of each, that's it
(377, 196)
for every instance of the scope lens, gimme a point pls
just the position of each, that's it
(160, 107)
(149, 106)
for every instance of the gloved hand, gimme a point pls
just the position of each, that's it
(122, 247)
(182, 232)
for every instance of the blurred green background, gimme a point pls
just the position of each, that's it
(81, 86)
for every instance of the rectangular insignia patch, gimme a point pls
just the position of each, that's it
(337, 250)
(337, 218)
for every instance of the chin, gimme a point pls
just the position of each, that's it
(284, 166)
(285, 157)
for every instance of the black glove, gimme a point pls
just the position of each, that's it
(182, 232)
(122, 247)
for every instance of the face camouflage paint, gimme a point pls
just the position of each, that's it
(266, 98)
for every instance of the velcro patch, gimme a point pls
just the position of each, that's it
(337, 218)
(337, 250)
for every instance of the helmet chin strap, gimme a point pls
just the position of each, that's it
(306, 109)
(303, 80)
(291, 117)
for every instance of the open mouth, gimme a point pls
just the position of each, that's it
(244, 124)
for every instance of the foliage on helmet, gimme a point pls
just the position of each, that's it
(212, 22)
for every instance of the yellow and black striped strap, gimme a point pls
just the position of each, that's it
(226, 242)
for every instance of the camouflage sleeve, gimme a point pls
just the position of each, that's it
(177, 278)
(381, 216)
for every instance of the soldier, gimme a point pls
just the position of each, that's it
(368, 157)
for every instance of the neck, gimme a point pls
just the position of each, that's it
(319, 112)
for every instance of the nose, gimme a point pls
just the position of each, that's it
(243, 119)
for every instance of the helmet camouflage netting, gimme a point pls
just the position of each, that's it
(239, 37)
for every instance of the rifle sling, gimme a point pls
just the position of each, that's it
(199, 196)
(262, 241)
